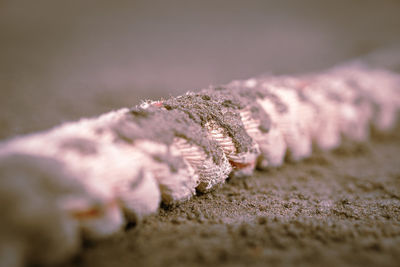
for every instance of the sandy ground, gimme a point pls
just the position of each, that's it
(62, 61)
(333, 209)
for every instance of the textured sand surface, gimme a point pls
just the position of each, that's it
(60, 62)
(334, 209)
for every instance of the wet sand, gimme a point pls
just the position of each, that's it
(64, 62)
(334, 209)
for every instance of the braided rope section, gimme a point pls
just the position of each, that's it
(93, 176)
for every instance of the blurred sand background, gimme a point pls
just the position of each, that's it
(63, 60)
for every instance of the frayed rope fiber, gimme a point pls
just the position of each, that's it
(94, 176)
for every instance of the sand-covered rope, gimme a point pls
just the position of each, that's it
(90, 178)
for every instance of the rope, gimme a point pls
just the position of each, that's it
(95, 175)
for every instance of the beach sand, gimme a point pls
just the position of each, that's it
(61, 62)
(336, 208)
